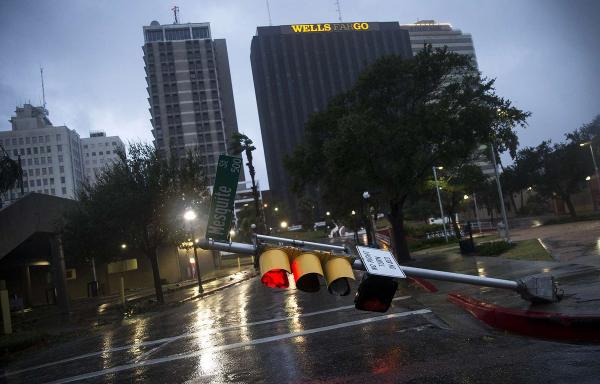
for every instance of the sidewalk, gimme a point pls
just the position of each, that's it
(575, 318)
(102, 310)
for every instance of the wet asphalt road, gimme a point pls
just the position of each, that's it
(252, 334)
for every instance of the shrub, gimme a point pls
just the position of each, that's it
(493, 248)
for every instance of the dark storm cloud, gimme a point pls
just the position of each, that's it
(544, 55)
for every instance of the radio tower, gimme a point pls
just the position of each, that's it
(175, 10)
(269, 12)
(43, 89)
(339, 10)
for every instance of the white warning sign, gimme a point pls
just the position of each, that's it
(380, 262)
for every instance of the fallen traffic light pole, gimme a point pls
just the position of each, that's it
(280, 256)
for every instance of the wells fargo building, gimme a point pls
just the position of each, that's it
(298, 68)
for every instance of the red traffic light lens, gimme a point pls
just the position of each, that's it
(276, 278)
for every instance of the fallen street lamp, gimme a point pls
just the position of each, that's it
(189, 216)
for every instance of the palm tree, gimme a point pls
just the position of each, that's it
(239, 144)
(10, 172)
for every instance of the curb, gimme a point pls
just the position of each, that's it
(424, 284)
(206, 293)
(544, 325)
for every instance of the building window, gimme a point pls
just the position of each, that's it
(64, 191)
(58, 137)
(36, 161)
(62, 169)
(60, 158)
(33, 140)
(62, 179)
(38, 182)
(49, 160)
(48, 149)
(28, 140)
(51, 170)
(59, 148)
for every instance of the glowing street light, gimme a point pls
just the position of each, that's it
(189, 215)
(232, 233)
(353, 212)
(588, 178)
(276, 209)
(123, 246)
(265, 205)
(328, 213)
(283, 224)
(466, 197)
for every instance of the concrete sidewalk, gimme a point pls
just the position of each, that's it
(102, 310)
(573, 318)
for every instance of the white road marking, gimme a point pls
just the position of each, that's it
(178, 337)
(180, 356)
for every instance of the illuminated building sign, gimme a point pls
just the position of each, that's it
(329, 27)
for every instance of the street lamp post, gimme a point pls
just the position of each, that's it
(589, 143)
(504, 218)
(369, 220)
(189, 216)
(437, 188)
(476, 211)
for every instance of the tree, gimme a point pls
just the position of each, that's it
(464, 179)
(587, 132)
(557, 171)
(10, 172)
(401, 118)
(241, 143)
(139, 201)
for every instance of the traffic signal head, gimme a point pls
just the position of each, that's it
(375, 293)
(274, 268)
(307, 269)
(337, 272)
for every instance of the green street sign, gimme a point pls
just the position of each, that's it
(223, 197)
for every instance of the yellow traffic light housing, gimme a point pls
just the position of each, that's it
(338, 270)
(307, 269)
(274, 268)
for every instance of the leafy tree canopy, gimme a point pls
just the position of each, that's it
(139, 200)
(401, 118)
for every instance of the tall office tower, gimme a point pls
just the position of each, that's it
(190, 92)
(99, 151)
(297, 69)
(50, 155)
(441, 35)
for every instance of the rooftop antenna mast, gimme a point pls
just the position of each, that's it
(43, 89)
(175, 10)
(269, 12)
(339, 10)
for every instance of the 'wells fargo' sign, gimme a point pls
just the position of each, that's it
(329, 27)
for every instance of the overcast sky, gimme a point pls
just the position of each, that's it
(545, 55)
